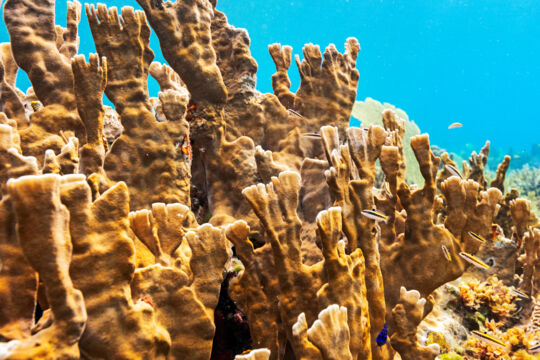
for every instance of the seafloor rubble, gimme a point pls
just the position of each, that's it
(216, 221)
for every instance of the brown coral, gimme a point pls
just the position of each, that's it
(33, 34)
(317, 282)
(407, 314)
(184, 33)
(38, 210)
(148, 155)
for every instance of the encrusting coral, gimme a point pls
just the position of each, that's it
(126, 229)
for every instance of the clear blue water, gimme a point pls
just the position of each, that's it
(443, 61)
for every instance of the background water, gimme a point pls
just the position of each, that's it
(443, 61)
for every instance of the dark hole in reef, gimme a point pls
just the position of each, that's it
(256, 241)
(199, 204)
(38, 313)
(232, 335)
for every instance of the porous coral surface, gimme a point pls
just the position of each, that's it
(217, 222)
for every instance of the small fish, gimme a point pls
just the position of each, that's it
(383, 336)
(455, 125)
(477, 237)
(36, 106)
(534, 348)
(376, 215)
(295, 113)
(446, 253)
(312, 135)
(488, 338)
(474, 260)
(452, 170)
(516, 156)
(520, 293)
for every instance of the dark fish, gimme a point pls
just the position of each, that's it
(383, 336)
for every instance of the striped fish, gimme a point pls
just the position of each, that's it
(474, 260)
(295, 113)
(312, 135)
(375, 215)
(446, 253)
(520, 293)
(488, 338)
(475, 236)
(535, 348)
(452, 170)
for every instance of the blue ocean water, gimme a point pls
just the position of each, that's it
(475, 62)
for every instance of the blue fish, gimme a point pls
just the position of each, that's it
(383, 336)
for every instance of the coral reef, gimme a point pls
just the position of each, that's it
(217, 222)
(527, 181)
(491, 294)
(368, 112)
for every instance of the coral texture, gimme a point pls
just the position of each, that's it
(214, 222)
